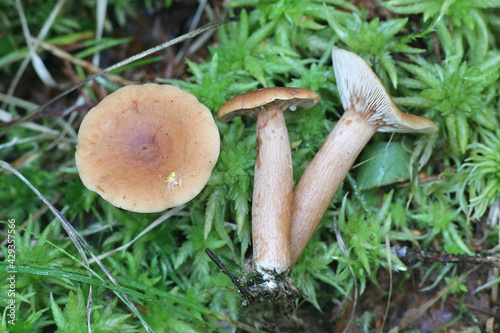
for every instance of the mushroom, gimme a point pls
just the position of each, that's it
(273, 178)
(368, 109)
(147, 148)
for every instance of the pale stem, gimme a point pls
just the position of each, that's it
(324, 175)
(272, 193)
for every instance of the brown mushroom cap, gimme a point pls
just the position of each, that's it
(251, 103)
(147, 148)
(361, 89)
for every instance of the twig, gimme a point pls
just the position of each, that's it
(405, 253)
(423, 180)
(378, 155)
(437, 51)
(486, 310)
(230, 275)
(53, 113)
(88, 66)
(414, 315)
(158, 221)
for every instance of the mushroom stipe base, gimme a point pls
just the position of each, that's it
(271, 301)
(260, 287)
(269, 287)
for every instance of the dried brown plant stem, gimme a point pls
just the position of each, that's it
(417, 313)
(88, 66)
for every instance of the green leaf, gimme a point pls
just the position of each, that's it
(243, 27)
(213, 205)
(260, 34)
(434, 94)
(75, 311)
(392, 27)
(59, 318)
(388, 63)
(252, 65)
(307, 22)
(385, 164)
(463, 132)
(241, 209)
(458, 132)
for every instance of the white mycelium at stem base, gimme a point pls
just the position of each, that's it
(369, 109)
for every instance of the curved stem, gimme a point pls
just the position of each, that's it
(324, 175)
(272, 193)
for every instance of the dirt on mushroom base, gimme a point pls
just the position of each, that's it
(268, 298)
(268, 287)
(271, 300)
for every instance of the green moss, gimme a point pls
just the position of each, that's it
(454, 175)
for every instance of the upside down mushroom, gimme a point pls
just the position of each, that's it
(368, 109)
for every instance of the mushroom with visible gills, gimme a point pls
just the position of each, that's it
(147, 148)
(273, 178)
(368, 109)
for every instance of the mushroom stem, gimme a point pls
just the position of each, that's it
(369, 109)
(324, 175)
(273, 178)
(272, 193)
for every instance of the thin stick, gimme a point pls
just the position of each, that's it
(445, 258)
(91, 68)
(230, 275)
(378, 155)
(158, 221)
(417, 313)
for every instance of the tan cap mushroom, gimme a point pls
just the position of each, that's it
(251, 103)
(273, 178)
(147, 148)
(368, 109)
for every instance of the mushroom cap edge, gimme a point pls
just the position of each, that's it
(250, 103)
(361, 89)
